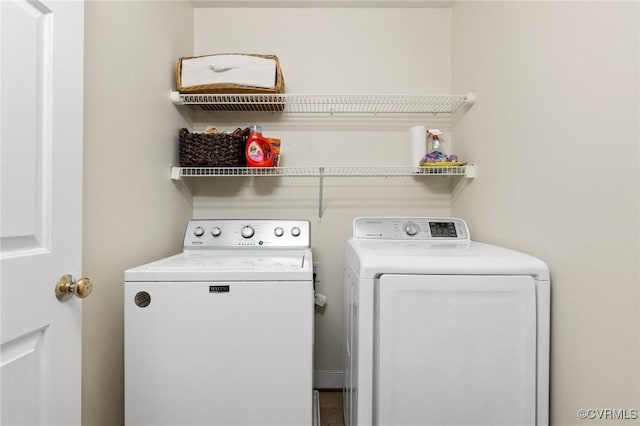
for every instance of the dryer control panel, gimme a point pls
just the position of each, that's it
(247, 233)
(411, 228)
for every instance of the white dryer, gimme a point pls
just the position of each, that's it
(441, 330)
(222, 333)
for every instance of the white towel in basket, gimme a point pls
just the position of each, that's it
(234, 69)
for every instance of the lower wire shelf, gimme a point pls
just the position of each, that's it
(467, 171)
(321, 172)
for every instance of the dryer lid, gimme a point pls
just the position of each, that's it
(372, 258)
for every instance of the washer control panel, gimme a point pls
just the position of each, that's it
(410, 228)
(258, 233)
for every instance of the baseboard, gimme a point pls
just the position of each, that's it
(328, 380)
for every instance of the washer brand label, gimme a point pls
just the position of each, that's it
(218, 289)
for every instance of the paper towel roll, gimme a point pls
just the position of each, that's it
(418, 144)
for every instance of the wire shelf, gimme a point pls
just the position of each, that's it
(179, 172)
(320, 172)
(314, 103)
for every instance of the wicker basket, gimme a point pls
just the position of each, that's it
(227, 88)
(212, 149)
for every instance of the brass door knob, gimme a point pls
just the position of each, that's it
(67, 286)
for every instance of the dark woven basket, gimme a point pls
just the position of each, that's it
(212, 149)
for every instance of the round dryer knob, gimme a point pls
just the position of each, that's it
(295, 231)
(247, 232)
(198, 231)
(410, 228)
(278, 232)
(216, 231)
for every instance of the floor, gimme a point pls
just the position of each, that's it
(331, 408)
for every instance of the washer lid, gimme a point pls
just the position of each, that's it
(372, 258)
(228, 265)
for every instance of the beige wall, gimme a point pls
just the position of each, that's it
(133, 213)
(329, 50)
(555, 132)
(557, 92)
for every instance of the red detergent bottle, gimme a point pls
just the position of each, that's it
(259, 151)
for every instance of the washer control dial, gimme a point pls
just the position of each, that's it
(295, 231)
(410, 228)
(198, 231)
(278, 232)
(247, 231)
(216, 231)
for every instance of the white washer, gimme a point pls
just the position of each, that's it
(441, 330)
(222, 334)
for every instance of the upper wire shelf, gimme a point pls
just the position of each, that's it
(335, 103)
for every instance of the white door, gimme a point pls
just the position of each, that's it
(41, 92)
(455, 350)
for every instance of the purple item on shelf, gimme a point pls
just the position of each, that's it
(434, 157)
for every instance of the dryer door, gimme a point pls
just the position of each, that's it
(455, 350)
